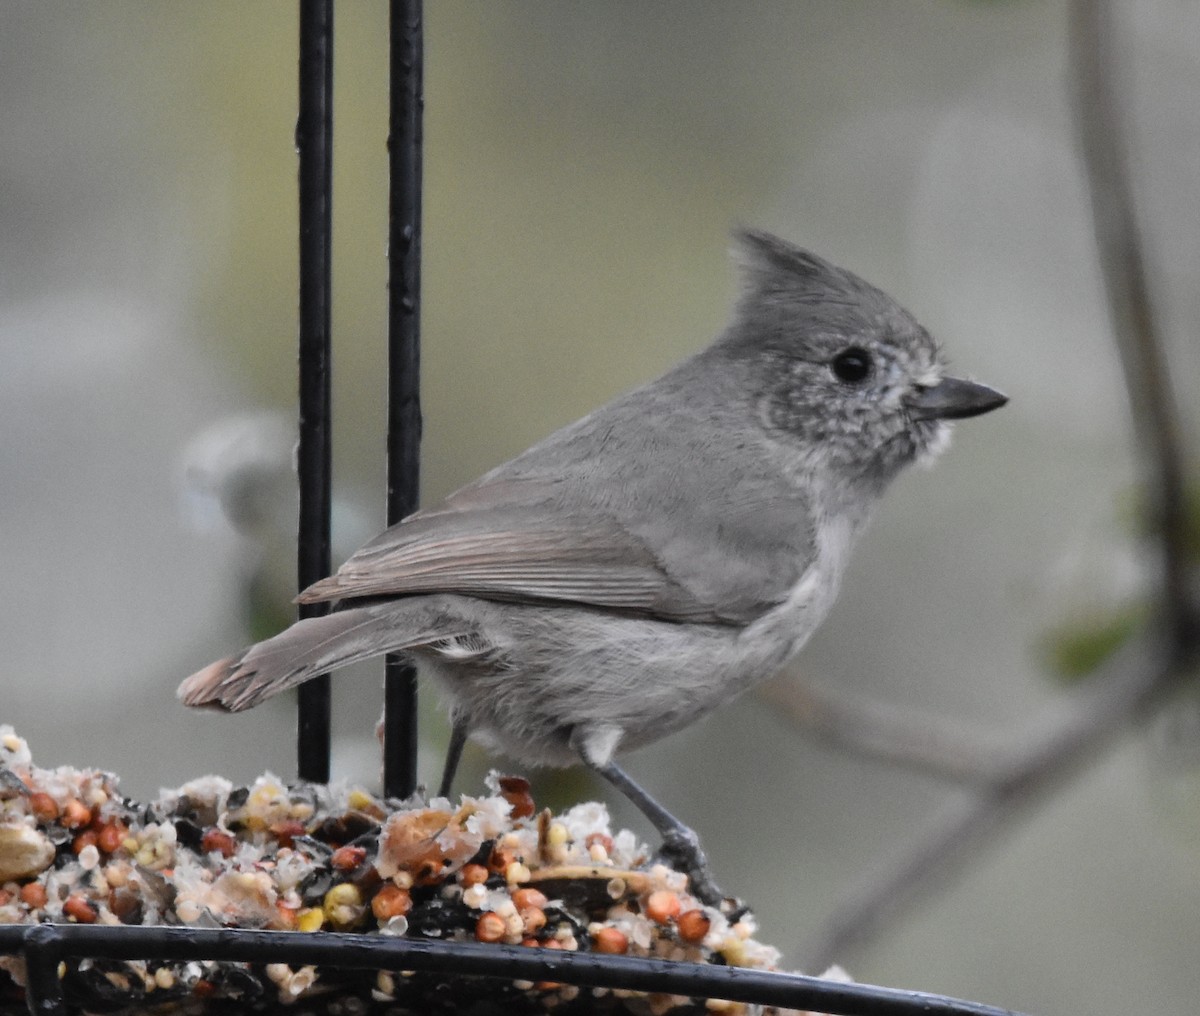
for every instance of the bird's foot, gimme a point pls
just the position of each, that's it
(682, 851)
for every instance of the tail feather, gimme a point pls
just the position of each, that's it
(308, 648)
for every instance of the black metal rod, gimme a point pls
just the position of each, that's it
(404, 358)
(43, 991)
(695, 980)
(314, 145)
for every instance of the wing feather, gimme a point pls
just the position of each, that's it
(515, 553)
(655, 504)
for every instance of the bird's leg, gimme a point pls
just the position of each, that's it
(681, 845)
(459, 726)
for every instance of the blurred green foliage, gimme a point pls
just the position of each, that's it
(1074, 649)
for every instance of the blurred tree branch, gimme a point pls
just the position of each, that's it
(1119, 693)
(1103, 143)
(1134, 679)
(886, 733)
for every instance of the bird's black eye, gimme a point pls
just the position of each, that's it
(852, 365)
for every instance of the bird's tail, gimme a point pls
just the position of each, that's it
(306, 649)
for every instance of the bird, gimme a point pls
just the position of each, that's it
(647, 564)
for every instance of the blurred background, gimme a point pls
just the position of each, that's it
(584, 165)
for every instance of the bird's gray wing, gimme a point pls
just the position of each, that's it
(654, 504)
(515, 540)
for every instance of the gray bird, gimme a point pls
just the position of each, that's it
(652, 561)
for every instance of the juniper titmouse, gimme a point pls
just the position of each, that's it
(655, 559)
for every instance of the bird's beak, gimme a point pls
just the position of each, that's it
(952, 398)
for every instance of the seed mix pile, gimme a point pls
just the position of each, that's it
(302, 857)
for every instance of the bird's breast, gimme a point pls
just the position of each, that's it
(781, 632)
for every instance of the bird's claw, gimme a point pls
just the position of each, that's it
(682, 851)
